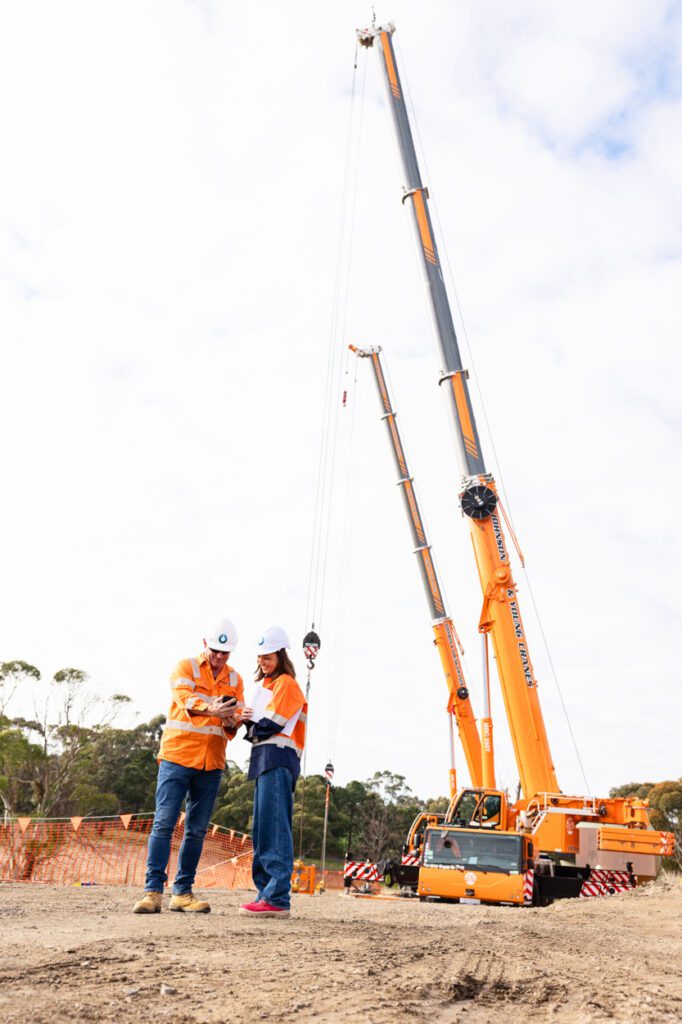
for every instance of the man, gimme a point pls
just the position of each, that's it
(207, 693)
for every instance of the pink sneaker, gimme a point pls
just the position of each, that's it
(262, 909)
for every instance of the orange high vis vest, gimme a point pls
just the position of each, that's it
(198, 741)
(287, 700)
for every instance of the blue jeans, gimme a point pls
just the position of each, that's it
(175, 782)
(273, 841)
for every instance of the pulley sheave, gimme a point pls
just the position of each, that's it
(478, 502)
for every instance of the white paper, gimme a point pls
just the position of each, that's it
(258, 698)
(289, 727)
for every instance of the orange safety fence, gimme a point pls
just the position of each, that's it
(333, 880)
(113, 851)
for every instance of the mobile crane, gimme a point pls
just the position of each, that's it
(545, 845)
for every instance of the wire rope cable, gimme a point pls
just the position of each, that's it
(326, 473)
(344, 570)
(341, 345)
(322, 462)
(325, 515)
(324, 485)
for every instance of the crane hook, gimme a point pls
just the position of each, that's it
(311, 647)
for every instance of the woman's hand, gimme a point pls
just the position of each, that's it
(247, 714)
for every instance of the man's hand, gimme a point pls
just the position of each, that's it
(226, 712)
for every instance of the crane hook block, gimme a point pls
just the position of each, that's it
(311, 647)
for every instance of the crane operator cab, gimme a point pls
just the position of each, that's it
(415, 837)
(478, 808)
(406, 871)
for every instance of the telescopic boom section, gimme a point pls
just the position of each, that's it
(501, 617)
(459, 703)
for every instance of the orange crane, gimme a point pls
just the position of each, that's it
(546, 845)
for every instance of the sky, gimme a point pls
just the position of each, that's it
(199, 211)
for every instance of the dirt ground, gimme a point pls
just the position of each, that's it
(78, 954)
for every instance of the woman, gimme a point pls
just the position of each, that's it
(278, 737)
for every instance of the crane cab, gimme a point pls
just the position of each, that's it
(479, 808)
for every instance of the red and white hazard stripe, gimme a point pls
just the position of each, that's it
(363, 869)
(528, 877)
(607, 883)
(667, 847)
(411, 859)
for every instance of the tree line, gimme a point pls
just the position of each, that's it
(69, 758)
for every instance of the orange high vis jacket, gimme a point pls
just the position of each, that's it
(198, 741)
(287, 700)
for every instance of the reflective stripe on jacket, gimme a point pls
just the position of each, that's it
(287, 699)
(198, 741)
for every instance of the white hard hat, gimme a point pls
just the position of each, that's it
(273, 639)
(223, 637)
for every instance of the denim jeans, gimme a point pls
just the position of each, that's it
(273, 842)
(175, 782)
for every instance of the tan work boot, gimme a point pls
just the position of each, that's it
(187, 903)
(149, 904)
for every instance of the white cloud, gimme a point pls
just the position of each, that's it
(169, 207)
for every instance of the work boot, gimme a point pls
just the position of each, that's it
(149, 904)
(187, 903)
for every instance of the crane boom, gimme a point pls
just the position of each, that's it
(501, 616)
(459, 703)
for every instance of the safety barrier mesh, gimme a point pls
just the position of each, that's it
(333, 880)
(113, 851)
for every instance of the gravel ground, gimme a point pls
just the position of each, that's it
(79, 954)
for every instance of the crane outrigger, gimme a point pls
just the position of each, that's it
(546, 844)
